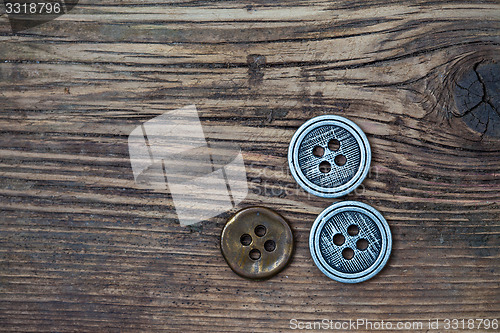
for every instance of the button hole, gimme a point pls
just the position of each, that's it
(334, 144)
(270, 245)
(340, 160)
(353, 230)
(338, 239)
(325, 167)
(246, 239)
(348, 253)
(260, 230)
(318, 151)
(254, 254)
(362, 244)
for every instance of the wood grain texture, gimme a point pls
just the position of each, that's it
(82, 248)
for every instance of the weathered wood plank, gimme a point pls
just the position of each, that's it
(83, 248)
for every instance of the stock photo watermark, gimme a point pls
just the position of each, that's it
(172, 152)
(26, 14)
(469, 324)
(264, 182)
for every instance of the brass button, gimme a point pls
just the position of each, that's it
(257, 243)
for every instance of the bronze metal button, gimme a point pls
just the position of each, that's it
(257, 243)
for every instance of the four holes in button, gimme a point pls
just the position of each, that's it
(325, 166)
(259, 231)
(361, 244)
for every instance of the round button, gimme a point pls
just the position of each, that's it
(329, 156)
(257, 243)
(350, 242)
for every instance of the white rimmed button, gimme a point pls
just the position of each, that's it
(329, 156)
(350, 242)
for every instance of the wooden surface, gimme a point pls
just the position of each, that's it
(82, 248)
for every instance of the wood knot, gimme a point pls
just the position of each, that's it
(477, 98)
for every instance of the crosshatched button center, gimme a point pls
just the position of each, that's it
(350, 241)
(329, 156)
(321, 137)
(352, 225)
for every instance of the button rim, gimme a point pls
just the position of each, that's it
(338, 191)
(369, 272)
(287, 253)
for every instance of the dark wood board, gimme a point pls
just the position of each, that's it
(83, 248)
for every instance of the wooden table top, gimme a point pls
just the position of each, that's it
(84, 248)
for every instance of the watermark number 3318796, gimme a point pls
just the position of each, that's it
(407, 326)
(26, 14)
(33, 8)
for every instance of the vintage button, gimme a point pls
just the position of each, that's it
(329, 156)
(257, 243)
(350, 242)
